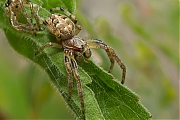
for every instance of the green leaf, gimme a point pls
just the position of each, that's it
(104, 96)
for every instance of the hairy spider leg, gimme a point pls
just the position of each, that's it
(29, 20)
(19, 26)
(70, 62)
(111, 59)
(79, 85)
(94, 43)
(13, 13)
(67, 62)
(71, 16)
(35, 15)
(50, 44)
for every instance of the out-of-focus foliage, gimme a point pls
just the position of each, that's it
(155, 62)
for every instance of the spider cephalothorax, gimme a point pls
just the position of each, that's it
(14, 8)
(66, 30)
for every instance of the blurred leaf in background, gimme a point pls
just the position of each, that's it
(156, 46)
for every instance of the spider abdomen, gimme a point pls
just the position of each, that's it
(61, 26)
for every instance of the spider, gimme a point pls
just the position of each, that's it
(65, 29)
(13, 9)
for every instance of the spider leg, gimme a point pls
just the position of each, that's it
(94, 43)
(13, 12)
(71, 65)
(74, 19)
(29, 20)
(67, 62)
(35, 15)
(18, 26)
(111, 59)
(50, 44)
(31, 26)
(79, 85)
(78, 29)
(71, 16)
(108, 53)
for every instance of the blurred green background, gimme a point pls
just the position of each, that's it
(145, 35)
